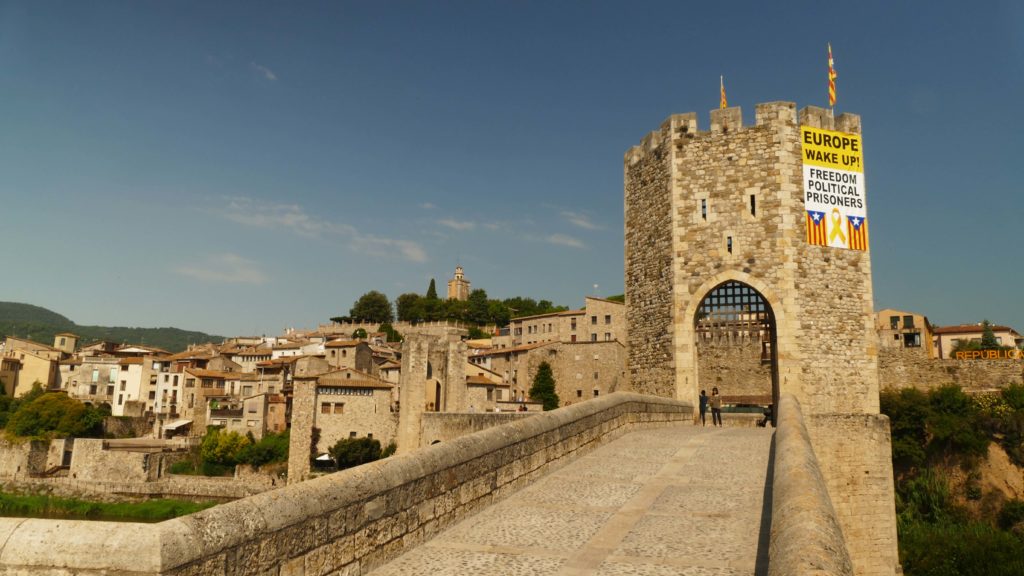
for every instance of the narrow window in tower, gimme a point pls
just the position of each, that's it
(753, 206)
(704, 208)
(728, 244)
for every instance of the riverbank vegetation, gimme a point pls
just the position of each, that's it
(954, 515)
(45, 506)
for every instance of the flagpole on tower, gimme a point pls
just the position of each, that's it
(831, 82)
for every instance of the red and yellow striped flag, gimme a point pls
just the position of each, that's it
(831, 78)
(722, 102)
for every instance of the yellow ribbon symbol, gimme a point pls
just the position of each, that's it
(837, 227)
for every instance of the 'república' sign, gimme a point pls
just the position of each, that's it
(836, 210)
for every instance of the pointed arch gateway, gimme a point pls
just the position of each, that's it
(736, 345)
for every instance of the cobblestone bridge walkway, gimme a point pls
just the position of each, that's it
(685, 500)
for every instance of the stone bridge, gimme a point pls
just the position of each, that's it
(623, 484)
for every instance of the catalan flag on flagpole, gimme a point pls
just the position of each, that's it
(831, 78)
(857, 228)
(816, 233)
(722, 102)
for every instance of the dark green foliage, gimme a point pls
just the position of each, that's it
(222, 448)
(373, 307)
(55, 415)
(477, 310)
(270, 449)
(1011, 517)
(43, 506)
(476, 333)
(617, 298)
(359, 334)
(389, 450)
(908, 412)
(432, 290)
(41, 325)
(350, 452)
(392, 334)
(951, 549)
(954, 424)
(409, 308)
(543, 389)
(1014, 396)
(943, 427)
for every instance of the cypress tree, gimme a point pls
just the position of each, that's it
(543, 389)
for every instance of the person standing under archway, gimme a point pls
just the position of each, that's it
(716, 407)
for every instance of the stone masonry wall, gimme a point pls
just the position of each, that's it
(736, 366)
(344, 523)
(649, 256)
(855, 453)
(582, 371)
(446, 426)
(910, 368)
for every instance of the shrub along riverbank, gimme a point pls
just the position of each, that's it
(957, 527)
(45, 506)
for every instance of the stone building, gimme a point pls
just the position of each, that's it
(947, 337)
(458, 286)
(718, 241)
(902, 329)
(28, 362)
(599, 320)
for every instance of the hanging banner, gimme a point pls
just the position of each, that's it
(836, 210)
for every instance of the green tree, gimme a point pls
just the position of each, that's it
(543, 388)
(373, 306)
(222, 448)
(358, 334)
(270, 449)
(409, 307)
(617, 298)
(349, 452)
(54, 414)
(954, 423)
(432, 290)
(498, 313)
(988, 337)
(392, 334)
(477, 309)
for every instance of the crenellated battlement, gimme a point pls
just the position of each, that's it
(684, 127)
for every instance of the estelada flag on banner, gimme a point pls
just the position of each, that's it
(831, 78)
(816, 233)
(722, 102)
(857, 229)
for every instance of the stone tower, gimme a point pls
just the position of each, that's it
(710, 211)
(458, 287)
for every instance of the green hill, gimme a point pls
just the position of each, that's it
(40, 324)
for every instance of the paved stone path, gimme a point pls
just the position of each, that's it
(686, 500)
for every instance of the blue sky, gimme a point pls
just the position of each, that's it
(245, 167)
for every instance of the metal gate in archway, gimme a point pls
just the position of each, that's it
(736, 344)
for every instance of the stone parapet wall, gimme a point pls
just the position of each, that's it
(911, 368)
(198, 488)
(805, 536)
(344, 523)
(447, 426)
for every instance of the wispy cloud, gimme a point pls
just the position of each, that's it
(563, 240)
(262, 70)
(386, 246)
(225, 268)
(427, 206)
(580, 219)
(293, 218)
(457, 224)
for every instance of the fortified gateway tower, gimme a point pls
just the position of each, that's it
(758, 234)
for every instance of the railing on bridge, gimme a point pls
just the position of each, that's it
(351, 521)
(806, 537)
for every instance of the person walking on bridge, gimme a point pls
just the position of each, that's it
(703, 407)
(716, 407)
